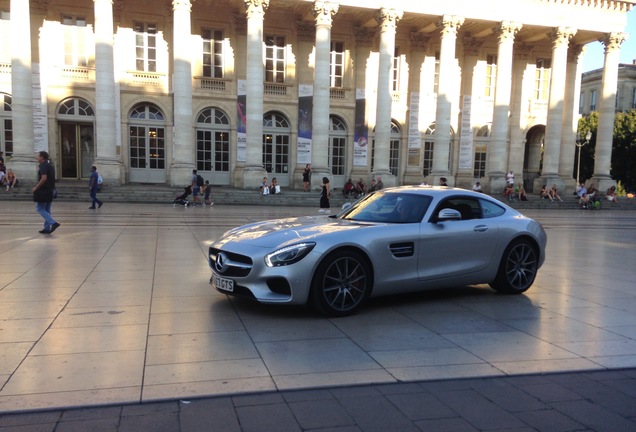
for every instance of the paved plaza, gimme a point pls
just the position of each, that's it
(115, 308)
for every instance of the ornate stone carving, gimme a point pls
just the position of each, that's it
(575, 52)
(613, 41)
(419, 41)
(388, 18)
(365, 36)
(522, 51)
(472, 46)
(182, 5)
(306, 31)
(450, 24)
(561, 36)
(506, 31)
(255, 7)
(323, 11)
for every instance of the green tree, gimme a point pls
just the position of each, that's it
(624, 149)
(623, 164)
(588, 123)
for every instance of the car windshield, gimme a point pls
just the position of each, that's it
(391, 207)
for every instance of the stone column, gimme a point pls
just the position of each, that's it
(106, 158)
(446, 81)
(23, 159)
(607, 113)
(419, 47)
(472, 47)
(523, 81)
(183, 157)
(552, 145)
(323, 12)
(254, 170)
(365, 40)
(571, 117)
(498, 149)
(387, 18)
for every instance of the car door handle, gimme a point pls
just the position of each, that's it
(480, 228)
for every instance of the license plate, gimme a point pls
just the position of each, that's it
(223, 284)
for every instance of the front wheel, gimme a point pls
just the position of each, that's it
(341, 284)
(517, 269)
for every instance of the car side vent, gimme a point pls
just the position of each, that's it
(401, 250)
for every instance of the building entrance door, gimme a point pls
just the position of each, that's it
(77, 150)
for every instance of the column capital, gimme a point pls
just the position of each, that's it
(472, 46)
(450, 24)
(561, 36)
(324, 10)
(506, 31)
(388, 18)
(182, 5)
(575, 52)
(255, 7)
(613, 41)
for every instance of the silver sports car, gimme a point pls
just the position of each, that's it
(392, 241)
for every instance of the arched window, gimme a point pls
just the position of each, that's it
(337, 146)
(75, 107)
(147, 144)
(429, 146)
(276, 139)
(6, 125)
(481, 151)
(213, 145)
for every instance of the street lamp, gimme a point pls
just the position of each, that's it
(580, 142)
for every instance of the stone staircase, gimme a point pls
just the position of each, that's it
(152, 193)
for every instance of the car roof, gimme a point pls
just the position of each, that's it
(430, 190)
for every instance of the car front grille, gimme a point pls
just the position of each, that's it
(232, 265)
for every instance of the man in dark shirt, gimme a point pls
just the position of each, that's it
(43, 192)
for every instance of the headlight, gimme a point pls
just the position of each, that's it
(288, 255)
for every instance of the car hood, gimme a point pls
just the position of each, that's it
(280, 232)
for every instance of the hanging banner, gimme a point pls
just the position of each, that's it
(361, 133)
(466, 138)
(241, 129)
(415, 135)
(305, 107)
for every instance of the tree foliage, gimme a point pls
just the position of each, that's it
(623, 148)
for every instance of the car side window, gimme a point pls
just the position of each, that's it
(490, 209)
(468, 207)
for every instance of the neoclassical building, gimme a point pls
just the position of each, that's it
(411, 91)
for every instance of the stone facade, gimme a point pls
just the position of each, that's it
(149, 90)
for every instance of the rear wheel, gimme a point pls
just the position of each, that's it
(517, 269)
(341, 284)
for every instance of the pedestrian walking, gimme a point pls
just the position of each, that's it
(93, 187)
(324, 196)
(43, 192)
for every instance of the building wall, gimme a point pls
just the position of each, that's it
(65, 55)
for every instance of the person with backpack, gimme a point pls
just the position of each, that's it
(93, 187)
(197, 182)
(44, 192)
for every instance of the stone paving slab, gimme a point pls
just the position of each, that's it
(113, 315)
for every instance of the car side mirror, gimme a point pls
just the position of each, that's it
(449, 214)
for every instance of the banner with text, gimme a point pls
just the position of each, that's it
(305, 109)
(241, 128)
(361, 133)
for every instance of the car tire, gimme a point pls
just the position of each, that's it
(341, 284)
(518, 268)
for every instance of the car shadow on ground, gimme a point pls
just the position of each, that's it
(244, 306)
